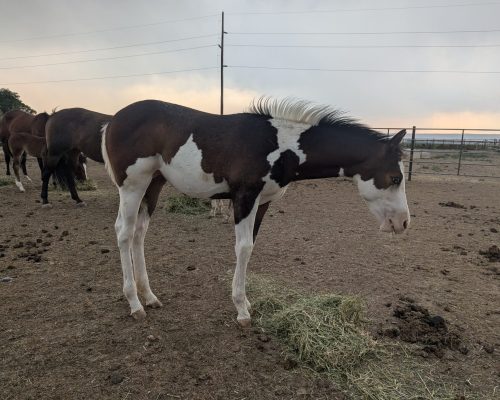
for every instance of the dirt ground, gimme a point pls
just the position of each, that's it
(65, 332)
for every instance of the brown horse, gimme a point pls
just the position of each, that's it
(249, 158)
(17, 121)
(21, 143)
(69, 133)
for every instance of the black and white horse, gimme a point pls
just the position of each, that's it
(249, 158)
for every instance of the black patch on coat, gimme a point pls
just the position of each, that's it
(285, 168)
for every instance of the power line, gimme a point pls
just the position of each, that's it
(110, 76)
(363, 70)
(119, 28)
(108, 58)
(364, 46)
(370, 33)
(342, 10)
(109, 48)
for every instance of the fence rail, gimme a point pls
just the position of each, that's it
(469, 152)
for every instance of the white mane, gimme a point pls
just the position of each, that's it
(296, 110)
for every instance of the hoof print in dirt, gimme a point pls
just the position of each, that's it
(116, 378)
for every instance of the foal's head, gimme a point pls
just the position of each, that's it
(381, 183)
(81, 168)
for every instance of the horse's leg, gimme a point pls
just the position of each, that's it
(15, 167)
(213, 210)
(23, 166)
(40, 165)
(131, 196)
(261, 211)
(49, 166)
(6, 154)
(145, 211)
(245, 210)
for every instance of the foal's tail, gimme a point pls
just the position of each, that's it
(104, 152)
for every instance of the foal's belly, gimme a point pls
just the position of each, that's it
(184, 172)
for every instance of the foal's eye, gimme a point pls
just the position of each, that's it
(396, 180)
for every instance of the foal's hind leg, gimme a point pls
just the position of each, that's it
(145, 211)
(131, 195)
(15, 167)
(23, 167)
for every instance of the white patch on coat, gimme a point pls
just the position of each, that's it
(20, 185)
(288, 135)
(185, 173)
(386, 204)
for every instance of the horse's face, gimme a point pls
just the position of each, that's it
(81, 168)
(382, 185)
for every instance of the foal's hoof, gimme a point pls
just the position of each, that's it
(81, 204)
(47, 205)
(155, 304)
(139, 315)
(245, 323)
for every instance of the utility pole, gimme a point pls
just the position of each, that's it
(221, 46)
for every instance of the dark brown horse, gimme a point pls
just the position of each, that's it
(249, 158)
(21, 143)
(69, 133)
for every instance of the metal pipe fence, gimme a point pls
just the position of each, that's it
(454, 151)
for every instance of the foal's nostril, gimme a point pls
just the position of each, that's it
(405, 224)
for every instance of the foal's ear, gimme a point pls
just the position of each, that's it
(396, 139)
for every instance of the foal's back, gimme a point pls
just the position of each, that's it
(22, 141)
(227, 144)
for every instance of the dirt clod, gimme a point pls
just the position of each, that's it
(492, 254)
(452, 204)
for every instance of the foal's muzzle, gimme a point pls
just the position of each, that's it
(396, 223)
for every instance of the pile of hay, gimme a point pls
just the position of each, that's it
(325, 333)
(88, 185)
(5, 182)
(183, 204)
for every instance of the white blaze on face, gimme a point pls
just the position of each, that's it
(388, 205)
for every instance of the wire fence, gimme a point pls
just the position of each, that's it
(459, 152)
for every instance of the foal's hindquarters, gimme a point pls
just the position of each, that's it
(20, 143)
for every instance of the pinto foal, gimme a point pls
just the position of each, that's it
(249, 158)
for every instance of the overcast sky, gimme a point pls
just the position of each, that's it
(184, 35)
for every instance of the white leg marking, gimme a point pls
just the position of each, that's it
(140, 272)
(20, 185)
(243, 248)
(131, 194)
(28, 178)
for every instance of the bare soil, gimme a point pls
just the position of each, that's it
(65, 332)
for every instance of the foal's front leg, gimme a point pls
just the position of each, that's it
(245, 210)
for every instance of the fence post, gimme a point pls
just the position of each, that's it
(412, 148)
(461, 151)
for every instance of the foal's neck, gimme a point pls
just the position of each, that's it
(333, 151)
